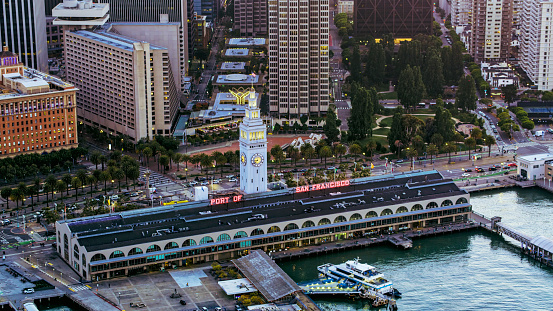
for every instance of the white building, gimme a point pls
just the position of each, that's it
(298, 58)
(253, 149)
(535, 44)
(461, 12)
(73, 14)
(533, 166)
(499, 75)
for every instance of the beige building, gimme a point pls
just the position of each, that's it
(250, 17)
(127, 85)
(298, 58)
(346, 6)
(491, 33)
(37, 111)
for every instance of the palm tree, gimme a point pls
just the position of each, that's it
(51, 182)
(119, 175)
(61, 186)
(398, 143)
(470, 142)
(76, 183)
(96, 174)
(31, 190)
(220, 160)
(206, 162)
(23, 190)
(325, 152)
(449, 148)
(371, 147)
(133, 174)
(458, 138)
(95, 158)
(36, 183)
(412, 153)
(278, 154)
(91, 180)
(308, 152)
(170, 154)
(490, 141)
(355, 149)
(148, 152)
(231, 158)
(177, 158)
(16, 195)
(432, 150)
(82, 176)
(186, 158)
(340, 150)
(294, 154)
(163, 161)
(67, 180)
(103, 159)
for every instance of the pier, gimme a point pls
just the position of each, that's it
(331, 287)
(539, 248)
(402, 241)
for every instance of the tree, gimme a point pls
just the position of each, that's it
(355, 149)
(103, 160)
(164, 162)
(61, 186)
(375, 68)
(76, 183)
(294, 154)
(355, 67)
(340, 150)
(412, 154)
(449, 148)
(177, 158)
(36, 184)
(66, 178)
(148, 152)
(202, 54)
(16, 196)
(91, 180)
(509, 93)
(433, 73)
(362, 111)
(277, 154)
(397, 132)
(308, 152)
(470, 143)
(466, 98)
(220, 159)
(5, 194)
(325, 152)
(330, 127)
(82, 175)
(432, 150)
(51, 182)
(118, 174)
(206, 162)
(371, 147)
(22, 187)
(105, 176)
(95, 158)
(133, 174)
(528, 124)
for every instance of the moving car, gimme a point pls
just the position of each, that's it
(233, 180)
(204, 183)
(479, 170)
(468, 170)
(465, 175)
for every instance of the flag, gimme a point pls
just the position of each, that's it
(253, 74)
(372, 165)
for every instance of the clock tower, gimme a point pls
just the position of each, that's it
(253, 148)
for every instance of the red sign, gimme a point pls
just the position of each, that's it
(223, 200)
(326, 185)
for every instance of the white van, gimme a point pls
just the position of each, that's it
(539, 133)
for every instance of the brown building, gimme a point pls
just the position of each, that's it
(251, 17)
(402, 18)
(491, 30)
(37, 111)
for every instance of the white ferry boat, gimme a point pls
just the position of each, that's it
(355, 273)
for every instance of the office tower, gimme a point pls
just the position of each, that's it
(536, 50)
(402, 18)
(208, 8)
(491, 34)
(127, 85)
(192, 30)
(298, 58)
(154, 11)
(203, 33)
(22, 29)
(461, 12)
(37, 111)
(250, 17)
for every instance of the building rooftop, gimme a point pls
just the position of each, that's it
(246, 41)
(270, 280)
(237, 52)
(115, 40)
(32, 78)
(537, 157)
(237, 78)
(180, 220)
(237, 286)
(233, 66)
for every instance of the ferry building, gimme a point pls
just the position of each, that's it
(153, 239)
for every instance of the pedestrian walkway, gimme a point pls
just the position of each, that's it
(78, 287)
(156, 179)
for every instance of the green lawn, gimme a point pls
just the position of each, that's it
(423, 118)
(392, 95)
(383, 140)
(386, 122)
(381, 131)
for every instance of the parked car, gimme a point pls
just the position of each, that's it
(115, 197)
(233, 180)
(479, 170)
(468, 170)
(465, 175)
(512, 164)
(216, 181)
(204, 183)
(399, 161)
(193, 183)
(230, 176)
(491, 168)
(28, 291)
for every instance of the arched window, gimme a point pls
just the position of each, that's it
(135, 251)
(461, 200)
(189, 242)
(371, 214)
(308, 224)
(257, 232)
(416, 207)
(340, 219)
(431, 205)
(324, 221)
(98, 257)
(291, 226)
(355, 217)
(401, 209)
(447, 203)
(116, 254)
(84, 263)
(171, 245)
(240, 234)
(75, 248)
(205, 240)
(386, 212)
(273, 229)
(223, 237)
(153, 248)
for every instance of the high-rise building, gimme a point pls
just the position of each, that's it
(191, 28)
(402, 18)
(154, 11)
(208, 8)
(461, 12)
(491, 27)
(250, 17)
(203, 32)
(22, 28)
(298, 58)
(536, 48)
(127, 85)
(37, 111)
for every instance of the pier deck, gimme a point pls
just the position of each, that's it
(331, 287)
(401, 241)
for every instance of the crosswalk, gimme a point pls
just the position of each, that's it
(156, 179)
(78, 287)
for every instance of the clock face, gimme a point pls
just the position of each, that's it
(257, 159)
(243, 158)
